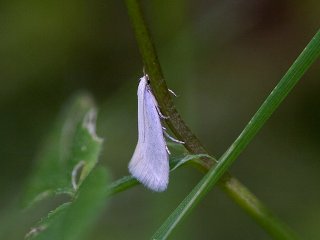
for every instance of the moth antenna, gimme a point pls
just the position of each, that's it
(172, 138)
(144, 71)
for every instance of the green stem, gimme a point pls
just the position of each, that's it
(289, 80)
(261, 214)
(239, 193)
(159, 86)
(122, 184)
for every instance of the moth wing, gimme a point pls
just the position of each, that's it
(142, 89)
(150, 163)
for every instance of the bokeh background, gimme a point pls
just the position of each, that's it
(221, 57)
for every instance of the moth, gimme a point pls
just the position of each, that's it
(150, 161)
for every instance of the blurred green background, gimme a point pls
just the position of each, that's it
(221, 57)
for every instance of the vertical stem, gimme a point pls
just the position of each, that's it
(159, 86)
(238, 192)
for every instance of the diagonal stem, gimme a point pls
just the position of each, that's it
(237, 191)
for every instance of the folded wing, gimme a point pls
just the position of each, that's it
(149, 163)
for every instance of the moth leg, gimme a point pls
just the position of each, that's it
(167, 149)
(172, 92)
(172, 138)
(157, 107)
(160, 114)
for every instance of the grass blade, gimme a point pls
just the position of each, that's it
(293, 75)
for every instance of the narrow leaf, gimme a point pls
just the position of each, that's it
(293, 75)
(175, 162)
(178, 162)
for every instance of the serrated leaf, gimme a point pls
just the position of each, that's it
(73, 220)
(72, 148)
(45, 222)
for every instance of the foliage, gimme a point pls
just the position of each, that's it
(66, 167)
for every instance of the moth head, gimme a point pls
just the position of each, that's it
(146, 75)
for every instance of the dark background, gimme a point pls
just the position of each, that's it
(221, 57)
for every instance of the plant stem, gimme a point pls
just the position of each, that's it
(159, 86)
(270, 224)
(261, 214)
(238, 192)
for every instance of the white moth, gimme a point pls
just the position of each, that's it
(150, 162)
